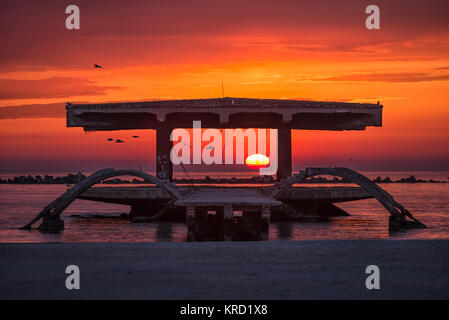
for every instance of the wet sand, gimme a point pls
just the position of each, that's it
(333, 269)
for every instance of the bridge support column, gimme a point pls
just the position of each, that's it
(164, 166)
(265, 215)
(51, 225)
(284, 154)
(228, 222)
(191, 223)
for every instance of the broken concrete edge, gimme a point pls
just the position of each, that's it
(53, 223)
(56, 207)
(398, 213)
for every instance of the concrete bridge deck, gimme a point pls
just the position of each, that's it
(293, 203)
(209, 211)
(128, 195)
(225, 113)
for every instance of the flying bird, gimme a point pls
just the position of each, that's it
(119, 141)
(135, 136)
(97, 66)
(110, 139)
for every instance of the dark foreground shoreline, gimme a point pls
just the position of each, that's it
(333, 269)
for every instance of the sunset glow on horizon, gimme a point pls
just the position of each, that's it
(180, 50)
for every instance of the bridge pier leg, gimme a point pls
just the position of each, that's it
(164, 166)
(51, 225)
(191, 223)
(265, 216)
(228, 222)
(284, 154)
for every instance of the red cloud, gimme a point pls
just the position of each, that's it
(57, 87)
(388, 77)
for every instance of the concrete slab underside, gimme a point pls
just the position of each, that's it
(225, 113)
(147, 200)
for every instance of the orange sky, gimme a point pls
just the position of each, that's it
(316, 50)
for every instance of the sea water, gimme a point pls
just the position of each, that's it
(429, 202)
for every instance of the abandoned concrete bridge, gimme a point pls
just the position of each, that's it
(210, 212)
(283, 115)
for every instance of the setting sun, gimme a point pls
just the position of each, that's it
(256, 161)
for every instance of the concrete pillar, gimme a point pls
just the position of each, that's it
(265, 216)
(51, 224)
(228, 222)
(164, 167)
(284, 153)
(191, 223)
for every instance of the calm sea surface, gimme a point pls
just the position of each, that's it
(429, 202)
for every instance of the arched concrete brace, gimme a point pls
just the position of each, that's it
(397, 211)
(50, 214)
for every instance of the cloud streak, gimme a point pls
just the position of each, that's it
(388, 77)
(51, 110)
(56, 87)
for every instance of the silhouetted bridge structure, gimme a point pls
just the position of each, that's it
(210, 211)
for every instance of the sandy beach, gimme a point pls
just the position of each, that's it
(409, 269)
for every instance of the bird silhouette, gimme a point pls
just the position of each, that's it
(110, 139)
(119, 141)
(97, 66)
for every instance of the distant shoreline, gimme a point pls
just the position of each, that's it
(70, 179)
